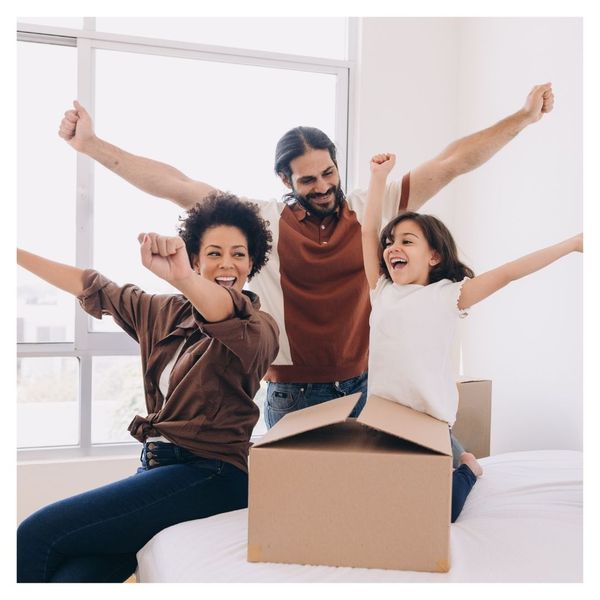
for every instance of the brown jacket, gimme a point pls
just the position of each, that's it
(209, 408)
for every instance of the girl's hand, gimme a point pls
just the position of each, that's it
(578, 242)
(165, 256)
(382, 164)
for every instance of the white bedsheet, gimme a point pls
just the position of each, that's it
(521, 523)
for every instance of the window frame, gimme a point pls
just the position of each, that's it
(88, 344)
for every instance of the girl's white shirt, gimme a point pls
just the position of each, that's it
(410, 349)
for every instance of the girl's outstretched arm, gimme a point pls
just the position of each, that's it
(381, 165)
(65, 277)
(484, 285)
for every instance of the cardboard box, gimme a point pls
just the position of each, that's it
(474, 416)
(374, 491)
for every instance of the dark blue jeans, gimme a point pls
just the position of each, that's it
(463, 480)
(94, 536)
(283, 398)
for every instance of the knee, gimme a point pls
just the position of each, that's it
(37, 531)
(26, 531)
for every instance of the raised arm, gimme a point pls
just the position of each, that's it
(381, 165)
(65, 277)
(151, 176)
(167, 258)
(472, 151)
(484, 285)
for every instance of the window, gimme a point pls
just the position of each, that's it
(47, 409)
(46, 191)
(216, 114)
(117, 395)
(306, 36)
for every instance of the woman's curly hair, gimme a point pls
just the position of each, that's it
(223, 208)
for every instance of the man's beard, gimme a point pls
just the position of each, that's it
(305, 201)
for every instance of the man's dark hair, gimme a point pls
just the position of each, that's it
(223, 208)
(439, 239)
(297, 142)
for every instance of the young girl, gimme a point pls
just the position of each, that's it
(204, 352)
(419, 288)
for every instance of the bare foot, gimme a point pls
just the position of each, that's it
(466, 458)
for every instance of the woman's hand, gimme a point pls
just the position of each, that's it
(165, 256)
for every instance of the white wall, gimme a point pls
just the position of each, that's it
(407, 93)
(528, 338)
(40, 483)
(425, 82)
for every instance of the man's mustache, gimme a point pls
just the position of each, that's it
(314, 195)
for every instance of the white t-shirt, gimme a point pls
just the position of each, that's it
(410, 348)
(163, 386)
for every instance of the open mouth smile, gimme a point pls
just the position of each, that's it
(228, 281)
(398, 263)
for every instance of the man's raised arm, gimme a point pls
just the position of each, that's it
(472, 151)
(151, 176)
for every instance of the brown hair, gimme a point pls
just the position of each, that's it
(439, 239)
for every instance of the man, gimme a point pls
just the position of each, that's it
(314, 283)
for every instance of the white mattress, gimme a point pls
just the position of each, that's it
(521, 523)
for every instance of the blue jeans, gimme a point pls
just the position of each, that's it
(463, 480)
(283, 398)
(94, 536)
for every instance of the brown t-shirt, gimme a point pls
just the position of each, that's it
(209, 408)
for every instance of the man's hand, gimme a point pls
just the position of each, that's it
(76, 127)
(165, 256)
(382, 164)
(539, 101)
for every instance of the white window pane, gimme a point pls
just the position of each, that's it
(46, 186)
(47, 407)
(117, 396)
(71, 22)
(307, 36)
(216, 122)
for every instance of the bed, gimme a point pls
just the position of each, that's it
(521, 523)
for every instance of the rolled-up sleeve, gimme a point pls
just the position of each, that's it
(252, 335)
(128, 305)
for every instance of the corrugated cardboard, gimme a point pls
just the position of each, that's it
(369, 492)
(474, 416)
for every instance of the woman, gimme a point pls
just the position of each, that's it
(204, 353)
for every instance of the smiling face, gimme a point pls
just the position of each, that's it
(223, 257)
(315, 182)
(408, 257)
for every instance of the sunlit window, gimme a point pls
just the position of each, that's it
(215, 116)
(46, 190)
(307, 36)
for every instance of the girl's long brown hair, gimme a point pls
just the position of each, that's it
(439, 239)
